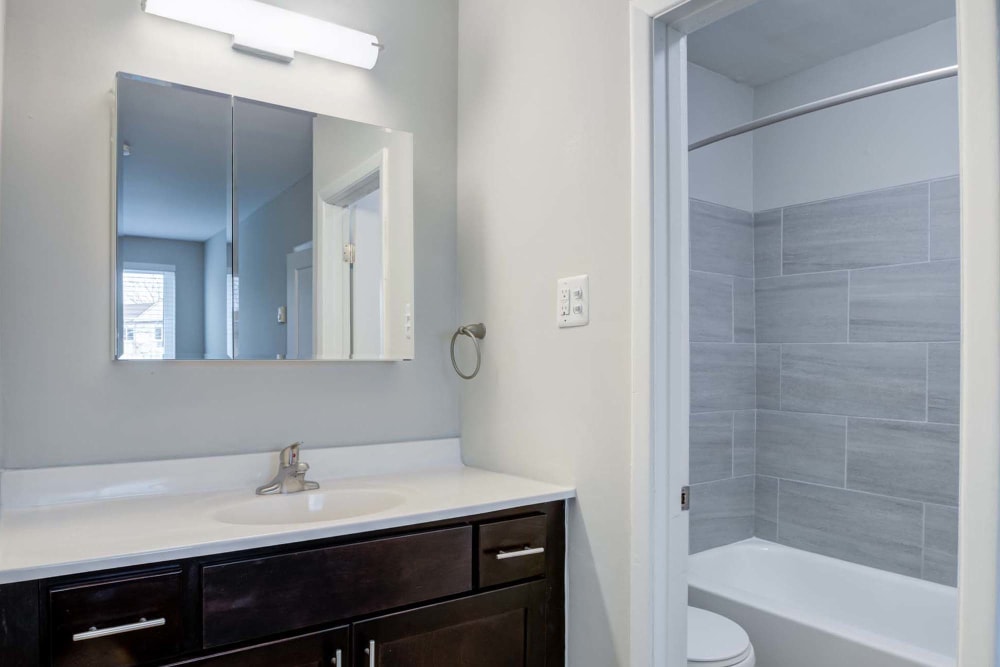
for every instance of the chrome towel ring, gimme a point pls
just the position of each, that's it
(476, 332)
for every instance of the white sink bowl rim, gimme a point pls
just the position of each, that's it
(309, 507)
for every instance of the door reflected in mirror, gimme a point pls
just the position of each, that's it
(252, 231)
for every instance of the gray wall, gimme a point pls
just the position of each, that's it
(857, 304)
(266, 237)
(723, 392)
(901, 137)
(544, 193)
(188, 260)
(61, 62)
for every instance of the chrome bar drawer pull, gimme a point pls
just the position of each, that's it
(371, 653)
(526, 551)
(337, 659)
(143, 624)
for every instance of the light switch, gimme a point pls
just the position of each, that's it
(573, 302)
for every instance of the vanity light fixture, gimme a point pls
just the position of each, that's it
(272, 32)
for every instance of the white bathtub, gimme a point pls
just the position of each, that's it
(805, 610)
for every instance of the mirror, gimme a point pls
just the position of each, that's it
(250, 231)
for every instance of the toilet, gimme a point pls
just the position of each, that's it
(716, 641)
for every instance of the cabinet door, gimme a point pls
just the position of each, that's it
(505, 628)
(329, 648)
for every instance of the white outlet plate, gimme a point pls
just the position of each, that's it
(573, 302)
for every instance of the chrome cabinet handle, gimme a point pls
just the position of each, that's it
(337, 659)
(371, 653)
(526, 551)
(94, 633)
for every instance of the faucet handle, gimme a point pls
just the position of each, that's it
(290, 455)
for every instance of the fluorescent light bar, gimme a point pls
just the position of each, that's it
(272, 32)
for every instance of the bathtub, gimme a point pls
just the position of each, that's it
(805, 610)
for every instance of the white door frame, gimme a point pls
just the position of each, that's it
(659, 322)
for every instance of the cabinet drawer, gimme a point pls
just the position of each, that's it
(512, 550)
(275, 594)
(118, 622)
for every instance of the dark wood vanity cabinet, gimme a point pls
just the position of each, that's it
(479, 591)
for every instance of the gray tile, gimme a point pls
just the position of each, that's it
(766, 508)
(722, 377)
(767, 243)
(803, 309)
(945, 230)
(806, 448)
(903, 459)
(744, 311)
(943, 382)
(744, 435)
(871, 229)
(769, 377)
(940, 568)
(711, 308)
(919, 302)
(721, 239)
(887, 380)
(711, 451)
(721, 513)
(941, 529)
(859, 527)
(941, 544)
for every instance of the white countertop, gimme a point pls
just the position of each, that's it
(38, 541)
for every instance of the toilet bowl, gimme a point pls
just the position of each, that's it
(716, 641)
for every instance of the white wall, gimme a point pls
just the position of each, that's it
(892, 139)
(217, 268)
(544, 193)
(721, 173)
(64, 400)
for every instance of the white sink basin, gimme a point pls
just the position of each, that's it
(309, 507)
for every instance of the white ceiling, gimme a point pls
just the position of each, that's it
(176, 182)
(773, 39)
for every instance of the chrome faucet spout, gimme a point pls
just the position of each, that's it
(291, 475)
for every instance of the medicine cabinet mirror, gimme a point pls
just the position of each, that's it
(249, 231)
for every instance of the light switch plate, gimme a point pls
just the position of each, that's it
(573, 302)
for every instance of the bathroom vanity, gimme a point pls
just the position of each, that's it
(475, 588)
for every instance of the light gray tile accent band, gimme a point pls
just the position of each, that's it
(871, 380)
(872, 229)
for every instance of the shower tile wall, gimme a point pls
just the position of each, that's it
(857, 329)
(723, 382)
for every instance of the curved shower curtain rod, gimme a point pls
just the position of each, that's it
(827, 102)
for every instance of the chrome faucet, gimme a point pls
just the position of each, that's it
(291, 477)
